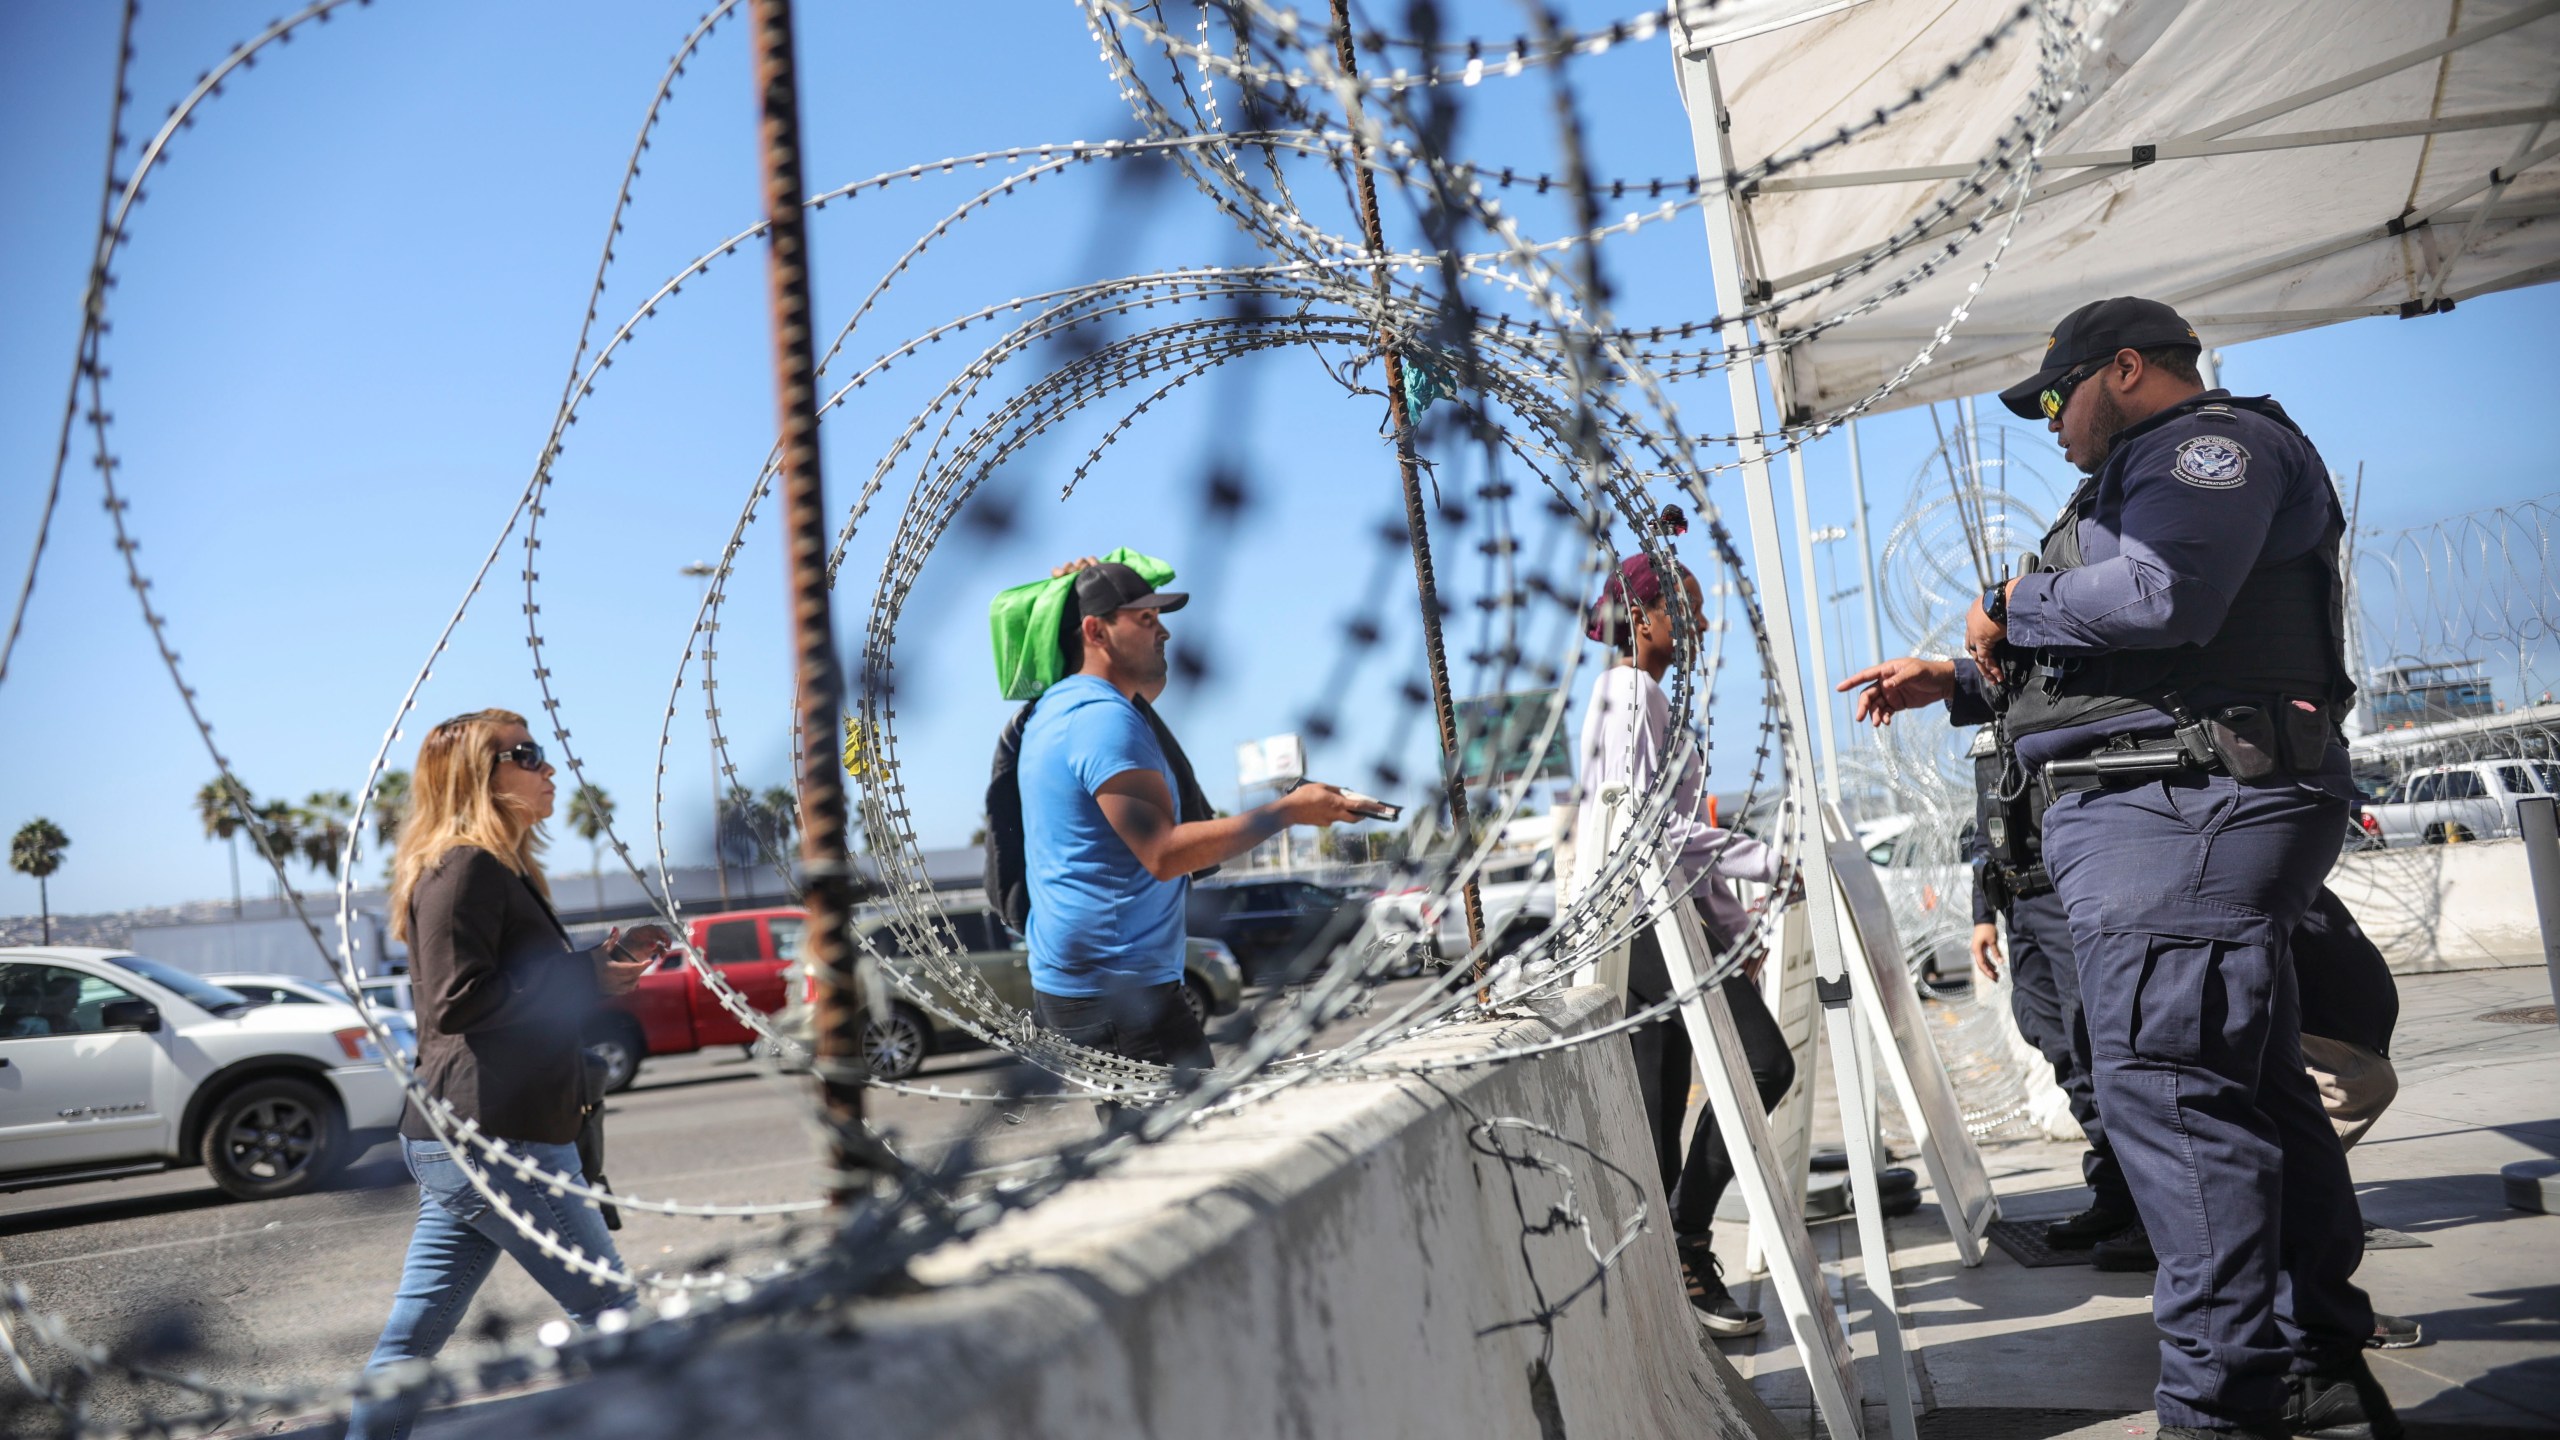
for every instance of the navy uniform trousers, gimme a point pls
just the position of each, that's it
(2182, 897)
(2044, 997)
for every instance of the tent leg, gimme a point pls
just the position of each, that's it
(1866, 553)
(1813, 624)
(1856, 1082)
(1705, 97)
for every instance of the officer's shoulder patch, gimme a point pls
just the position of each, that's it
(2212, 462)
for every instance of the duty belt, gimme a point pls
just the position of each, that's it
(2129, 763)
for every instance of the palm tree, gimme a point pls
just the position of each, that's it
(278, 836)
(590, 811)
(322, 819)
(220, 805)
(390, 808)
(37, 850)
(781, 817)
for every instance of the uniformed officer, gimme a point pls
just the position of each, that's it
(2175, 670)
(2010, 883)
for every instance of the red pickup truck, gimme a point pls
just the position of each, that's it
(673, 1012)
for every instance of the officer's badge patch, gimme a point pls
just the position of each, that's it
(2213, 462)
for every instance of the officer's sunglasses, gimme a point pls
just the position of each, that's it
(528, 755)
(2052, 401)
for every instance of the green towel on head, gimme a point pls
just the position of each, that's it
(1024, 622)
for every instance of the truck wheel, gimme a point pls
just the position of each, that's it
(618, 1043)
(1195, 998)
(274, 1137)
(896, 1050)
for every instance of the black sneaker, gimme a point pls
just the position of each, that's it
(2130, 1251)
(1708, 1299)
(2088, 1228)
(2341, 1401)
(2395, 1332)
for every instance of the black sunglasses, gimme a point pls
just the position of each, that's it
(528, 755)
(2053, 399)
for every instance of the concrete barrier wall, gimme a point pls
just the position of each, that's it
(2444, 907)
(1343, 1260)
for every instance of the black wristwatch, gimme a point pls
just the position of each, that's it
(1995, 604)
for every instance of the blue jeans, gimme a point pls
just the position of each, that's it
(2182, 897)
(457, 1242)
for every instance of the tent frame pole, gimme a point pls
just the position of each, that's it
(1725, 225)
(1866, 550)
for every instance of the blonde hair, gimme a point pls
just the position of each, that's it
(453, 802)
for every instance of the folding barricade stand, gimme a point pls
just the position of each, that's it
(1847, 911)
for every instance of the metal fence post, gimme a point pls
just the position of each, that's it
(825, 864)
(2539, 818)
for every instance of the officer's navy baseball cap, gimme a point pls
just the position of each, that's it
(1109, 585)
(2091, 333)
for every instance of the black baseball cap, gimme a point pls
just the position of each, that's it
(2096, 331)
(1108, 585)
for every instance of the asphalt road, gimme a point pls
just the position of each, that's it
(294, 1291)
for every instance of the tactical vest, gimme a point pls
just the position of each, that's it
(2282, 638)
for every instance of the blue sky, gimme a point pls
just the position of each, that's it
(347, 313)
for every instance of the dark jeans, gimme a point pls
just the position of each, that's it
(2044, 995)
(1663, 1059)
(1152, 1022)
(2183, 896)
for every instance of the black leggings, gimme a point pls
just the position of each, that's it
(1663, 1059)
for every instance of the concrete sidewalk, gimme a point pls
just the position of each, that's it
(2009, 1353)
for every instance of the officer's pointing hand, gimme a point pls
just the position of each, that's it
(1897, 685)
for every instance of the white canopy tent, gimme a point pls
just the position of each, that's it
(2266, 167)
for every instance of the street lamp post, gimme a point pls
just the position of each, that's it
(719, 862)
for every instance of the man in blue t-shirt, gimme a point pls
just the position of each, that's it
(1106, 856)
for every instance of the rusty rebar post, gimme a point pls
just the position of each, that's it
(825, 863)
(1417, 530)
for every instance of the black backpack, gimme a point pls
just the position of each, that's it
(1008, 878)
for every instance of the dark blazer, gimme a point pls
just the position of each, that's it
(502, 1001)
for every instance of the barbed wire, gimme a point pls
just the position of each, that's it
(1562, 392)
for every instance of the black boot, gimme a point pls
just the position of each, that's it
(2098, 1222)
(2340, 1400)
(2130, 1251)
(1713, 1304)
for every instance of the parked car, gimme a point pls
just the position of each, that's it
(1273, 926)
(1212, 983)
(112, 1064)
(294, 990)
(391, 992)
(1416, 928)
(2474, 800)
(673, 1012)
(1929, 885)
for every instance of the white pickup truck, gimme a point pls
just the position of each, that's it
(111, 1064)
(2475, 800)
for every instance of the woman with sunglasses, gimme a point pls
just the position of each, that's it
(503, 999)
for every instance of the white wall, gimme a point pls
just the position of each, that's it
(1343, 1260)
(2444, 907)
(266, 947)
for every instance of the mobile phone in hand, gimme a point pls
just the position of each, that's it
(1369, 805)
